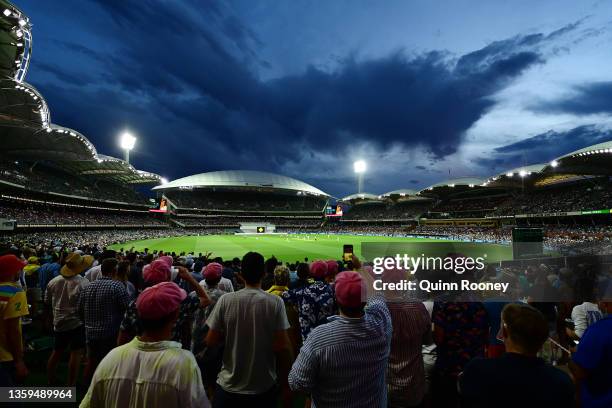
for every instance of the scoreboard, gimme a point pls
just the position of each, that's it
(333, 211)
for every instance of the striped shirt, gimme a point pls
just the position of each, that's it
(343, 363)
(406, 373)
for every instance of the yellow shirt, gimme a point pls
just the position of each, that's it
(13, 304)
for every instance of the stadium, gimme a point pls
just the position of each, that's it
(59, 195)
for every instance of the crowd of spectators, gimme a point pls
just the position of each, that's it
(46, 179)
(245, 201)
(384, 210)
(579, 197)
(182, 330)
(30, 213)
(235, 221)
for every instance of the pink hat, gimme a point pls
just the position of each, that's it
(160, 300)
(318, 269)
(213, 270)
(350, 289)
(9, 266)
(167, 259)
(332, 267)
(393, 275)
(156, 272)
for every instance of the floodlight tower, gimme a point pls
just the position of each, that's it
(127, 143)
(360, 167)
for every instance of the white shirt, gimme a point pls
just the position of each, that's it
(63, 295)
(584, 315)
(224, 284)
(94, 273)
(147, 375)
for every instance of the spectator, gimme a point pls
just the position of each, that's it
(460, 332)
(315, 302)
(121, 275)
(95, 272)
(151, 370)
(102, 305)
(281, 280)
(62, 296)
(411, 330)
(592, 363)
(156, 272)
(343, 363)
(251, 323)
(47, 272)
(224, 284)
(13, 305)
(209, 359)
(587, 312)
(487, 382)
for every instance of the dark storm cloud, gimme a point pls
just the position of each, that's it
(590, 98)
(545, 147)
(188, 72)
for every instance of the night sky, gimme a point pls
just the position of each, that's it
(418, 89)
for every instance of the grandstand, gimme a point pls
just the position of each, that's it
(227, 199)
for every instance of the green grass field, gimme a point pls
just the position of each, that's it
(291, 248)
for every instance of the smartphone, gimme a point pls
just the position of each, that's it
(347, 253)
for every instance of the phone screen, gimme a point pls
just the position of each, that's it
(347, 253)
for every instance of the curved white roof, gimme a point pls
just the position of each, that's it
(242, 178)
(462, 181)
(533, 168)
(403, 191)
(605, 147)
(360, 196)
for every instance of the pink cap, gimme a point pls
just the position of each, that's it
(167, 259)
(213, 270)
(394, 275)
(156, 272)
(350, 289)
(332, 267)
(318, 269)
(159, 300)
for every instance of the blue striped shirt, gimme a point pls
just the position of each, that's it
(343, 363)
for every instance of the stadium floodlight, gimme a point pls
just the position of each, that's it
(554, 163)
(509, 174)
(360, 167)
(522, 173)
(163, 180)
(127, 143)
(6, 12)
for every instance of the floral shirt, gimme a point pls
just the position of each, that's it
(131, 322)
(199, 328)
(466, 330)
(315, 304)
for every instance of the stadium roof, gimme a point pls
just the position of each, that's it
(106, 167)
(462, 181)
(15, 42)
(360, 196)
(591, 160)
(242, 178)
(401, 192)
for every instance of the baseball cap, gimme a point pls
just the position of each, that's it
(156, 272)
(9, 266)
(160, 300)
(332, 267)
(350, 289)
(318, 269)
(213, 270)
